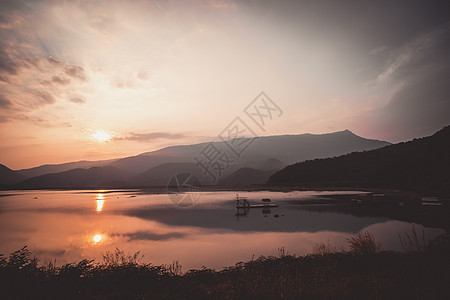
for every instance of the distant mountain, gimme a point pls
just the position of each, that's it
(56, 168)
(285, 148)
(422, 163)
(8, 176)
(79, 178)
(247, 176)
(271, 164)
(161, 175)
(264, 154)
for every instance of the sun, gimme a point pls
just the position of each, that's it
(100, 136)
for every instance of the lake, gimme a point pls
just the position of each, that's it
(68, 226)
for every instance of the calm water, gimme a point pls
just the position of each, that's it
(72, 225)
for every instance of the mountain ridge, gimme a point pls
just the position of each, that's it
(8, 176)
(78, 178)
(418, 164)
(157, 167)
(172, 151)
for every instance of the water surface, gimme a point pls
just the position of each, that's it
(68, 226)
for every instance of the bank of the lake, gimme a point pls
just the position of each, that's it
(362, 273)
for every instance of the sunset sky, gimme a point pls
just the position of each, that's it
(100, 79)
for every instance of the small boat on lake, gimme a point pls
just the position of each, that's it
(242, 202)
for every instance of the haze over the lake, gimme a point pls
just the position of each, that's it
(104, 79)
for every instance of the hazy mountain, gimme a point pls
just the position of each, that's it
(161, 175)
(422, 163)
(285, 148)
(157, 167)
(246, 176)
(77, 178)
(8, 176)
(56, 168)
(271, 164)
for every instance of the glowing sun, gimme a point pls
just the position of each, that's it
(100, 136)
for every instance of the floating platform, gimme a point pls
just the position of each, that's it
(241, 202)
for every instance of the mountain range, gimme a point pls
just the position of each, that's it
(421, 164)
(262, 158)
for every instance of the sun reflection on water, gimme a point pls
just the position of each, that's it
(100, 198)
(97, 238)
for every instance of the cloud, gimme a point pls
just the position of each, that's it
(35, 120)
(142, 75)
(124, 85)
(408, 55)
(49, 252)
(150, 136)
(56, 80)
(32, 82)
(60, 80)
(75, 72)
(43, 98)
(77, 100)
(151, 236)
(4, 103)
(418, 73)
(378, 50)
(7, 65)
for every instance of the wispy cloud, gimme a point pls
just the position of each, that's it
(150, 136)
(75, 72)
(57, 80)
(4, 103)
(408, 55)
(150, 236)
(42, 98)
(417, 77)
(77, 100)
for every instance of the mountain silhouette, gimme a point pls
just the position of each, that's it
(247, 176)
(161, 175)
(56, 168)
(8, 176)
(78, 178)
(418, 164)
(270, 153)
(286, 148)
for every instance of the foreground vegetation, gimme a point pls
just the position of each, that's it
(366, 272)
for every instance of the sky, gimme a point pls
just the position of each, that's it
(101, 79)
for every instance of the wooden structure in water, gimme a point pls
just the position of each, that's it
(242, 202)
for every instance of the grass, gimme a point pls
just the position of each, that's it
(364, 272)
(364, 243)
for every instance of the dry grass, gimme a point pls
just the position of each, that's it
(324, 248)
(411, 242)
(364, 244)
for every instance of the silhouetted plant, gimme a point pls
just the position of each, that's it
(339, 275)
(282, 252)
(324, 248)
(364, 243)
(119, 258)
(3, 261)
(174, 269)
(410, 242)
(22, 259)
